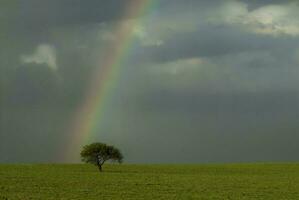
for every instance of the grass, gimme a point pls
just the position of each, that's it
(231, 181)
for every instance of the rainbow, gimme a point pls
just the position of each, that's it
(105, 78)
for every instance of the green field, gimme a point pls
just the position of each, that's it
(231, 181)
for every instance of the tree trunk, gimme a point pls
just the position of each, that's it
(100, 167)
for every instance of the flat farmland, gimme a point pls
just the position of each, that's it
(213, 181)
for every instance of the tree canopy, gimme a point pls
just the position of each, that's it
(99, 153)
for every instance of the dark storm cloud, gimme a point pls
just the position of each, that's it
(216, 41)
(254, 4)
(35, 15)
(201, 102)
(204, 123)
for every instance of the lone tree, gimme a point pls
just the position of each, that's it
(99, 153)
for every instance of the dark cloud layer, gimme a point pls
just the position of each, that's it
(40, 15)
(254, 4)
(212, 41)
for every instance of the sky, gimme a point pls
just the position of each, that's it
(202, 81)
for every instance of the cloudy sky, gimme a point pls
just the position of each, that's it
(204, 81)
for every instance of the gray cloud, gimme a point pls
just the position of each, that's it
(260, 3)
(40, 15)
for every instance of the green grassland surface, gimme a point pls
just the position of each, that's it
(230, 181)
